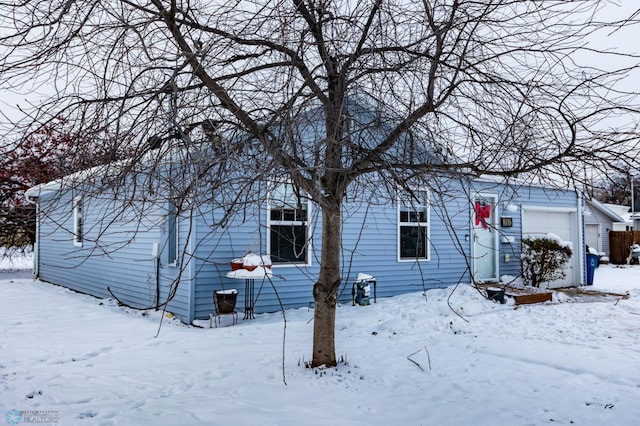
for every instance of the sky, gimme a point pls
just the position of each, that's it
(34, 91)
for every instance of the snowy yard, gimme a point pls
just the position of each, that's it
(408, 361)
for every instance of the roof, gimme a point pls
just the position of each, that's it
(370, 115)
(623, 211)
(98, 177)
(87, 177)
(606, 210)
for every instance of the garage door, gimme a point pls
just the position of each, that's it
(539, 221)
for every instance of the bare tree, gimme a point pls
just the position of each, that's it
(500, 87)
(49, 153)
(616, 186)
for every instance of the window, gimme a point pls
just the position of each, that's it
(172, 234)
(289, 225)
(77, 221)
(413, 226)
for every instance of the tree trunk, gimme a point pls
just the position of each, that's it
(325, 291)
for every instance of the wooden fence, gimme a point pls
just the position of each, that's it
(619, 242)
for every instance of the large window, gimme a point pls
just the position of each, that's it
(289, 225)
(413, 226)
(78, 235)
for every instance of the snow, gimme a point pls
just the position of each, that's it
(450, 358)
(232, 291)
(560, 241)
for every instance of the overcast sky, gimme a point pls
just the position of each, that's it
(12, 99)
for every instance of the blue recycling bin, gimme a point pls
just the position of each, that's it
(592, 264)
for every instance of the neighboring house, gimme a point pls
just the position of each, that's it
(471, 229)
(625, 213)
(634, 212)
(599, 219)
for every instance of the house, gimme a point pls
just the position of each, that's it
(142, 253)
(525, 211)
(152, 237)
(625, 213)
(599, 219)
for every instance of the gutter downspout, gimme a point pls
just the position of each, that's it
(190, 269)
(36, 244)
(583, 258)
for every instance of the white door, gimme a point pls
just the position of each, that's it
(592, 236)
(539, 221)
(485, 238)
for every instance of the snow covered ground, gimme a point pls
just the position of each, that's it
(409, 360)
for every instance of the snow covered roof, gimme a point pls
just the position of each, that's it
(604, 209)
(66, 182)
(525, 181)
(98, 177)
(622, 211)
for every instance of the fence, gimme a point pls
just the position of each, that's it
(619, 242)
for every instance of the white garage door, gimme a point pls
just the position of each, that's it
(538, 221)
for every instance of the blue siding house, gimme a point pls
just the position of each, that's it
(96, 240)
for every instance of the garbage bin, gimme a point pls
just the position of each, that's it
(592, 264)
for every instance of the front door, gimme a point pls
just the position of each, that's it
(485, 238)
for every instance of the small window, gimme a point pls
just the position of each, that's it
(413, 226)
(172, 234)
(78, 235)
(288, 225)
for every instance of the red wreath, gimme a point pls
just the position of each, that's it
(483, 212)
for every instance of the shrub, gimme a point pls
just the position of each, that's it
(543, 259)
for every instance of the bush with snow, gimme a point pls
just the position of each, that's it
(543, 259)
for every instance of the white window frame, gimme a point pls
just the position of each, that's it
(307, 223)
(414, 208)
(78, 221)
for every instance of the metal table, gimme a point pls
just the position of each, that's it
(249, 278)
